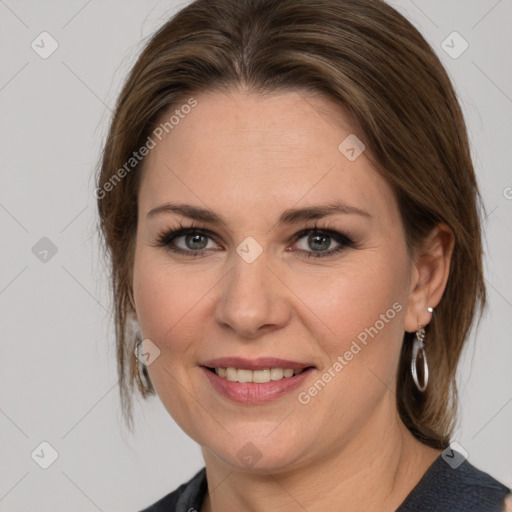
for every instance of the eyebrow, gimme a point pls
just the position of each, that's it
(290, 216)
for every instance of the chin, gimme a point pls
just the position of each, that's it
(256, 453)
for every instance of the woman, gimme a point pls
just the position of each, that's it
(289, 204)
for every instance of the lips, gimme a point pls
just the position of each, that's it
(261, 363)
(253, 392)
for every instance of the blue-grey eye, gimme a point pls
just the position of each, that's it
(317, 242)
(195, 242)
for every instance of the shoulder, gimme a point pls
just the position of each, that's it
(462, 487)
(187, 496)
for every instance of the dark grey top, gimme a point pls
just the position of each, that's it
(443, 488)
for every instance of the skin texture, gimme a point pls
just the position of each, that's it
(248, 158)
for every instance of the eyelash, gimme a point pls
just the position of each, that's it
(164, 239)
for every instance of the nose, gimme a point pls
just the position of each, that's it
(252, 301)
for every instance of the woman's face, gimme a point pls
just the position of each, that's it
(244, 287)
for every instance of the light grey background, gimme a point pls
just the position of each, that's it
(58, 376)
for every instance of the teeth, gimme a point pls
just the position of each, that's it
(244, 375)
(276, 373)
(258, 376)
(231, 374)
(261, 376)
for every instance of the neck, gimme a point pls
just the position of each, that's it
(376, 470)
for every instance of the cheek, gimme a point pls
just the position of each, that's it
(355, 296)
(360, 309)
(173, 305)
(162, 293)
(359, 321)
(169, 302)
(160, 300)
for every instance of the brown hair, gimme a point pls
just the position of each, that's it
(368, 58)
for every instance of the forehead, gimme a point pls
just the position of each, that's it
(245, 150)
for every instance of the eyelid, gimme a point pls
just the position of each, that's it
(327, 228)
(344, 241)
(165, 237)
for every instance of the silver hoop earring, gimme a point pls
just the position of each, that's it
(418, 346)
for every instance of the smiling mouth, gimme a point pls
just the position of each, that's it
(256, 376)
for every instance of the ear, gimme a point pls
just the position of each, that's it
(430, 271)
